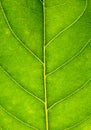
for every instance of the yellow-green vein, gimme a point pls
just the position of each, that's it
(44, 55)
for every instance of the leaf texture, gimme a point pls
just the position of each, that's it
(45, 65)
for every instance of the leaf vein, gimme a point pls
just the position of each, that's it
(19, 85)
(68, 27)
(79, 123)
(21, 121)
(70, 95)
(16, 37)
(71, 59)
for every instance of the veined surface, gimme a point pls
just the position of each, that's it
(45, 65)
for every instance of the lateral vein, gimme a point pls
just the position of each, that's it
(19, 85)
(16, 37)
(69, 26)
(70, 95)
(71, 59)
(79, 123)
(21, 121)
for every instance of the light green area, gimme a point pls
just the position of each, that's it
(68, 64)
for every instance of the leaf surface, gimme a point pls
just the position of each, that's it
(45, 65)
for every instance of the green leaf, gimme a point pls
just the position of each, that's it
(45, 65)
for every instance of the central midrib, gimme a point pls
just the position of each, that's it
(44, 67)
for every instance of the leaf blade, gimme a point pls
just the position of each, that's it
(45, 65)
